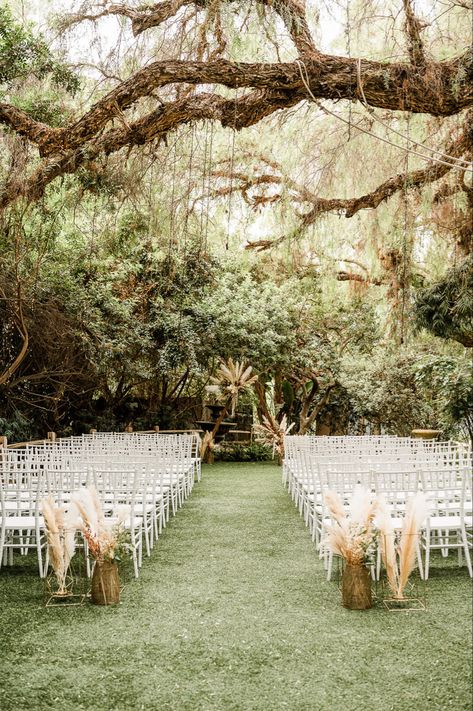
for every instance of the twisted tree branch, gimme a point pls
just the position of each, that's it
(460, 146)
(413, 27)
(390, 86)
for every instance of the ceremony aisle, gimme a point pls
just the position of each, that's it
(232, 612)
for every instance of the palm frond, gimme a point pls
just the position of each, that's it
(232, 378)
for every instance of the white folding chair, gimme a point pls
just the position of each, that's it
(449, 498)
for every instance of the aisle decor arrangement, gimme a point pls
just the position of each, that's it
(61, 524)
(231, 380)
(352, 535)
(272, 432)
(367, 527)
(107, 542)
(400, 549)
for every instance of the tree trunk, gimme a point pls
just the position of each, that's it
(207, 454)
(306, 420)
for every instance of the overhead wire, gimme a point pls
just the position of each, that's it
(189, 187)
(305, 80)
(404, 239)
(402, 135)
(232, 163)
(348, 47)
(209, 181)
(204, 176)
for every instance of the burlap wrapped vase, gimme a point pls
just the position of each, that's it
(105, 583)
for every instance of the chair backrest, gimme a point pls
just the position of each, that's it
(127, 460)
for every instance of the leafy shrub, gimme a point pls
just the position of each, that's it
(236, 452)
(445, 308)
(17, 429)
(24, 54)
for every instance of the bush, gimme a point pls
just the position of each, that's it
(236, 452)
(17, 428)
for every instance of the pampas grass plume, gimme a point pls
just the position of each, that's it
(334, 504)
(60, 527)
(416, 513)
(362, 506)
(384, 524)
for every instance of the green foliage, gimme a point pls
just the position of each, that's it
(23, 54)
(44, 108)
(99, 181)
(236, 452)
(449, 382)
(399, 390)
(250, 320)
(446, 308)
(122, 331)
(288, 393)
(383, 391)
(16, 428)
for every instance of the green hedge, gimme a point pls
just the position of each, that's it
(237, 452)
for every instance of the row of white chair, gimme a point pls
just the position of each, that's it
(442, 472)
(151, 478)
(120, 444)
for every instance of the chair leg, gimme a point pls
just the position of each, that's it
(162, 517)
(42, 570)
(467, 551)
(427, 555)
(329, 565)
(135, 563)
(419, 560)
(140, 552)
(88, 571)
(378, 563)
(314, 528)
(2, 546)
(444, 542)
(146, 534)
(153, 521)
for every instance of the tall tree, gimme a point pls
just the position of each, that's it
(171, 91)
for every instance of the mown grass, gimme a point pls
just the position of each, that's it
(232, 612)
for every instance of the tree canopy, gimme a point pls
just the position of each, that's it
(172, 181)
(157, 98)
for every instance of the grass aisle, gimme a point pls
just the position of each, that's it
(232, 612)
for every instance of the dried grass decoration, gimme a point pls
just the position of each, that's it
(272, 432)
(61, 526)
(232, 379)
(399, 553)
(107, 542)
(353, 537)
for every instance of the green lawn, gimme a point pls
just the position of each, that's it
(233, 612)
